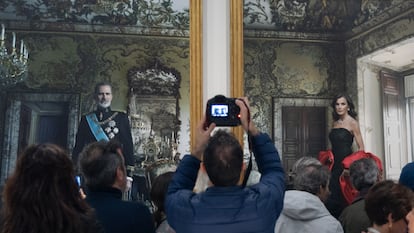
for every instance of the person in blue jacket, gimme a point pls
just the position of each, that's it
(227, 206)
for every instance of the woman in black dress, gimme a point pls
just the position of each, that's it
(345, 129)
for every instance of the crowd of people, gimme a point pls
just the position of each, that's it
(43, 195)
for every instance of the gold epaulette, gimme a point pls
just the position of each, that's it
(118, 110)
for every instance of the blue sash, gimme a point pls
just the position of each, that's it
(96, 128)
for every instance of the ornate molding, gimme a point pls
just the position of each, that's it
(156, 79)
(236, 55)
(196, 65)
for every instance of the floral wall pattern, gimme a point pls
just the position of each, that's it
(146, 13)
(318, 16)
(277, 68)
(72, 62)
(313, 15)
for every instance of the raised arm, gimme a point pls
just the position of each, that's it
(357, 134)
(186, 174)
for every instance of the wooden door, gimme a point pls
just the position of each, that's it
(395, 144)
(304, 133)
(43, 122)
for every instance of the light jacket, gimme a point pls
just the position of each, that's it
(304, 212)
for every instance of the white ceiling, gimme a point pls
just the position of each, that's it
(398, 57)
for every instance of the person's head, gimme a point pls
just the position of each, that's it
(103, 94)
(313, 178)
(303, 162)
(42, 194)
(364, 173)
(299, 164)
(223, 159)
(407, 176)
(342, 104)
(159, 189)
(102, 166)
(389, 203)
(158, 193)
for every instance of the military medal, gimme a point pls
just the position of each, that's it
(111, 130)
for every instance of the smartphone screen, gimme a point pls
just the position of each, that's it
(78, 180)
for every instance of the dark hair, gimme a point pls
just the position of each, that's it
(363, 173)
(41, 196)
(99, 162)
(98, 85)
(223, 159)
(158, 193)
(387, 197)
(351, 105)
(310, 178)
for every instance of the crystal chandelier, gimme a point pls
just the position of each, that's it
(13, 64)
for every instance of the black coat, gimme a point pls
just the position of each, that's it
(117, 215)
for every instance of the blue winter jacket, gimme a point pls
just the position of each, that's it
(233, 209)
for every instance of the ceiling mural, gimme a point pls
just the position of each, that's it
(143, 13)
(277, 15)
(312, 15)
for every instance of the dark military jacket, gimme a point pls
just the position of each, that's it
(115, 125)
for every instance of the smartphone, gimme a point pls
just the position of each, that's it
(78, 180)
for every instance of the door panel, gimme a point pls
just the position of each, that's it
(304, 133)
(52, 129)
(22, 122)
(292, 129)
(315, 137)
(394, 125)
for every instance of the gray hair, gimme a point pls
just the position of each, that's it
(311, 178)
(303, 162)
(363, 173)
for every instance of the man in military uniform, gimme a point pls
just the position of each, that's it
(105, 124)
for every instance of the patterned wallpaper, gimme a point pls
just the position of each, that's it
(74, 62)
(313, 15)
(284, 69)
(145, 13)
(280, 15)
